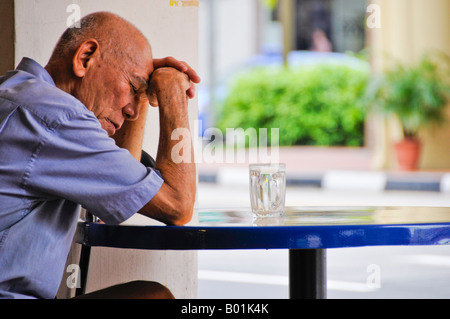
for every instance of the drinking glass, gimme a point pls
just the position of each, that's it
(267, 189)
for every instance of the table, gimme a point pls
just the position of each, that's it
(307, 232)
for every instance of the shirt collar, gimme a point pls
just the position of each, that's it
(30, 66)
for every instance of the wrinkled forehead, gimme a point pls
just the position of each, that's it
(141, 53)
(143, 68)
(136, 59)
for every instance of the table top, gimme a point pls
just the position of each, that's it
(299, 228)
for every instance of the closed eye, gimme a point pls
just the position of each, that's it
(138, 87)
(134, 90)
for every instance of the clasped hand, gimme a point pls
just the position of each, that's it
(170, 76)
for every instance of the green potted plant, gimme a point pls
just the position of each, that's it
(417, 96)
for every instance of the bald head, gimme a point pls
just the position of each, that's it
(106, 64)
(118, 39)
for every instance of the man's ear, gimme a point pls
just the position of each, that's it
(84, 56)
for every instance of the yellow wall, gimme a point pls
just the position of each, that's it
(410, 28)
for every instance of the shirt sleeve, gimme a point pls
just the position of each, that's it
(77, 161)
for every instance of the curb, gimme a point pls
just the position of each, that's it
(343, 180)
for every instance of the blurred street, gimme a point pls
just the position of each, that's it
(312, 33)
(330, 177)
(406, 272)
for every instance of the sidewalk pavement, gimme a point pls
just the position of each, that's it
(336, 168)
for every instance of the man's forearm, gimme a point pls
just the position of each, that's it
(174, 203)
(131, 135)
(173, 115)
(180, 177)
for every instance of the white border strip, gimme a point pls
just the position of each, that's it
(276, 280)
(427, 260)
(233, 176)
(344, 180)
(331, 180)
(445, 183)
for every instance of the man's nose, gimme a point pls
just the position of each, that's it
(131, 112)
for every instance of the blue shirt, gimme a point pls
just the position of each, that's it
(54, 158)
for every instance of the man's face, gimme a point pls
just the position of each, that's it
(115, 92)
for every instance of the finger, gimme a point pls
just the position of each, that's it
(179, 65)
(169, 62)
(191, 91)
(193, 76)
(152, 100)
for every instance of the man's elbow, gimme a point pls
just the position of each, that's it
(182, 219)
(181, 207)
(171, 207)
(183, 213)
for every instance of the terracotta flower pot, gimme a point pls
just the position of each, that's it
(408, 154)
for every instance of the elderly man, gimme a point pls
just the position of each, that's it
(71, 136)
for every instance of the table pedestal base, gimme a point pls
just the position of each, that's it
(307, 274)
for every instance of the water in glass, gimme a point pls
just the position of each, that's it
(267, 189)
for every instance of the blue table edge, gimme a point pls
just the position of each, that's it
(266, 237)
